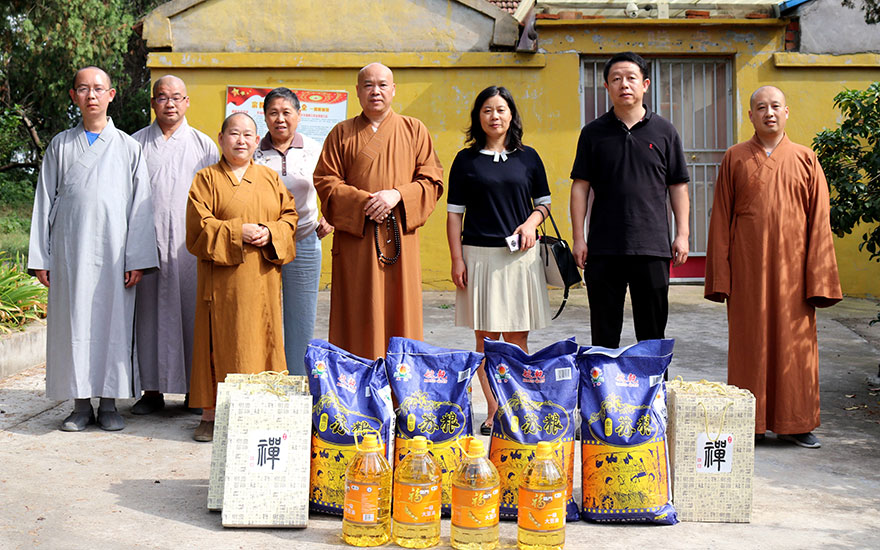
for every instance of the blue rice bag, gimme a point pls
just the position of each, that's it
(537, 397)
(351, 398)
(625, 461)
(430, 387)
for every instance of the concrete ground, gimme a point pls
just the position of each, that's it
(145, 487)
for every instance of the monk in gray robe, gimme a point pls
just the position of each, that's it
(166, 300)
(92, 238)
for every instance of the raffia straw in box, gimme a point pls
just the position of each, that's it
(299, 385)
(712, 408)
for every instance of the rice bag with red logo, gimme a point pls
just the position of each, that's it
(625, 461)
(537, 398)
(351, 398)
(430, 387)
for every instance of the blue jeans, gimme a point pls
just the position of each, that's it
(299, 291)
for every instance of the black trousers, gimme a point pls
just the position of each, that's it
(607, 278)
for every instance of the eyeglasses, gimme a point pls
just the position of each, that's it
(161, 100)
(84, 90)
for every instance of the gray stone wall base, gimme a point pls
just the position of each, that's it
(23, 350)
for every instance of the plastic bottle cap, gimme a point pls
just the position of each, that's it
(543, 450)
(476, 448)
(419, 443)
(370, 443)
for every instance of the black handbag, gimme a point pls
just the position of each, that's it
(559, 266)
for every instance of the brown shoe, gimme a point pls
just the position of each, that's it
(205, 431)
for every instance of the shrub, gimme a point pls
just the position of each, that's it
(22, 298)
(17, 188)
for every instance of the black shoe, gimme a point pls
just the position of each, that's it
(77, 421)
(191, 410)
(485, 429)
(110, 421)
(807, 440)
(149, 403)
(759, 438)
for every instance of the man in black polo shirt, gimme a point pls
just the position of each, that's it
(629, 157)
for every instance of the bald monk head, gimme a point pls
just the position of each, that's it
(169, 102)
(768, 113)
(92, 92)
(375, 90)
(238, 139)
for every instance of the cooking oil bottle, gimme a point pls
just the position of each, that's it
(417, 490)
(366, 517)
(476, 489)
(541, 502)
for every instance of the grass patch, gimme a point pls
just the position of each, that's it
(15, 226)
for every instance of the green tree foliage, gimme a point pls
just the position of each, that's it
(870, 7)
(42, 44)
(850, 156)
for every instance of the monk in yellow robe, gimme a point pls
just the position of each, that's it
(771, 256)
(240, 225)
(379, 179)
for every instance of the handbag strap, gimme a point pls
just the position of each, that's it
(552, 221)
(562, 305)
(556, 229)
(547, 260)
(558, 236)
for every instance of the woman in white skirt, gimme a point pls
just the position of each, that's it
(497, 189)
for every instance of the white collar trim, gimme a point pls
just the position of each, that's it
(496, 154)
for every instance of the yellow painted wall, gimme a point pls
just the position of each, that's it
(326, 25)
(440, 98)
(438, 88)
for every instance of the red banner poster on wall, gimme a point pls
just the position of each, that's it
(320, 110)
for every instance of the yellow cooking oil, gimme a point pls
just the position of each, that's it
(541, 502)
(476, 491)
(417, 489)
(366, 519)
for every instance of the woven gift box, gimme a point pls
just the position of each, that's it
(711, 435)
(248, 385)
(267, 459)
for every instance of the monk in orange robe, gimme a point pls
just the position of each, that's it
(771, 256)
(240, 225)
(379, 179)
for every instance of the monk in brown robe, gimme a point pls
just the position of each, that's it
(379, 179)
(771, 256)
(240, 224)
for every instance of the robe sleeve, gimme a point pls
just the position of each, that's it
(341, 203)
(282, 246)
(39, 249)
(419, 197)
(207, 237)
(141, 250)
(822, 280)
(717, 285)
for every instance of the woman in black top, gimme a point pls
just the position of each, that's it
(502, 186)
